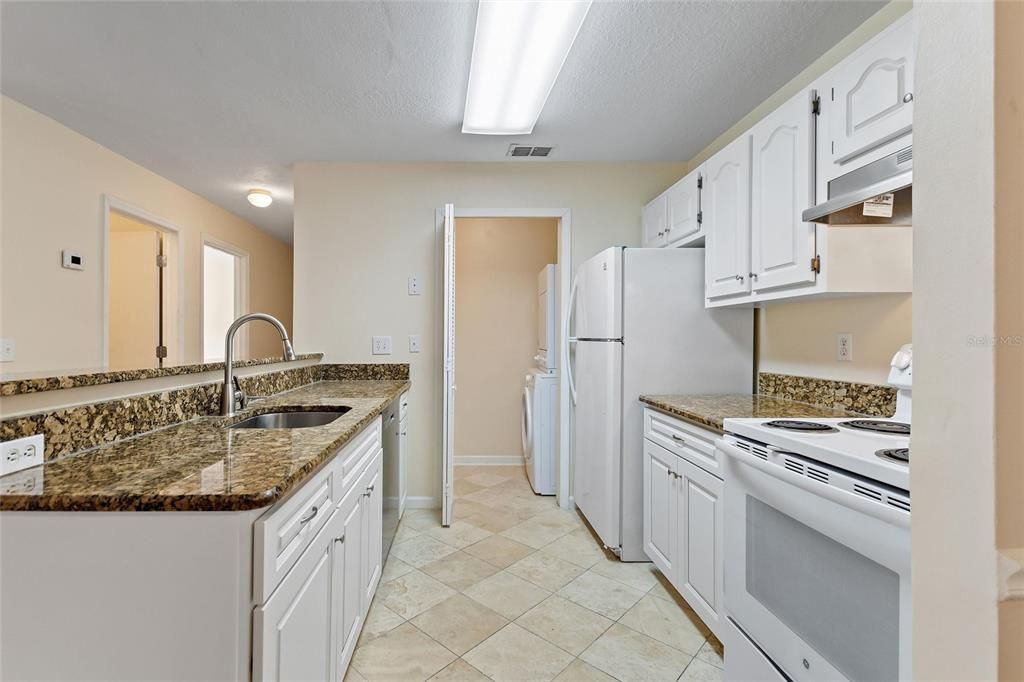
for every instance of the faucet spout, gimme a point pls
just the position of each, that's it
(231, 394)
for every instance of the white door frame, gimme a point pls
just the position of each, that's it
(112, 203)
(241, 290)
(564, 217)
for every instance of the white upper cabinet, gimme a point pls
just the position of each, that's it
(654, 219)
(684, 216)
(782, 246)
(726, 213)
(871, 97)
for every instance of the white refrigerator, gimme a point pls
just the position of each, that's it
(640, 327)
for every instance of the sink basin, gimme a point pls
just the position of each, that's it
(291, 420)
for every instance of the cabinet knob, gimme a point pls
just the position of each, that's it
(753, 275)
(908, 98)
(662, 233)
(739, 278)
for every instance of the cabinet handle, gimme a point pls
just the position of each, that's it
(678, 439)
(404, 433)
(908, 98)
(662, 233)
(369, 491)
(753, 275)
(341, 539)
(739, 278)
(667, 230)
(309, 516)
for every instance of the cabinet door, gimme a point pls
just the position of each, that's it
(872, 94)
(660, 508)
(684, 217)
(372, 531)
(782, 245)
(726, 207)
(348, 578)
(700, 542)
(293, 628)
(403, 459)
(654, 219)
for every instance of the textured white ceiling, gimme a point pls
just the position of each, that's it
(221, 96)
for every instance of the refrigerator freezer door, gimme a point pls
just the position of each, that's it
(599, 297)
(598, 436)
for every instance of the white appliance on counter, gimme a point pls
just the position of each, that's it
(547, 320)
(640, 327)
(540, 430)
(817, 545)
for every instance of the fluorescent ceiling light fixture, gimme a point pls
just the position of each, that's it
(519, 48)
(260, 198)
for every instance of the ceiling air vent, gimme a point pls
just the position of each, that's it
(524, 150)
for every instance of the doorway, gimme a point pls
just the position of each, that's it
(143, 319)
(225, 291)
(497, 340)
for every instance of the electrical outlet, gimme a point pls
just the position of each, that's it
(21, 454)
(844, 347)
(414, 286)
(7, 348)
(415, 343)
(382, 345)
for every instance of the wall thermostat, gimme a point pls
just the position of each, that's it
(72, 260)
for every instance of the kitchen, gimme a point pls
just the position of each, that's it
(151, 439)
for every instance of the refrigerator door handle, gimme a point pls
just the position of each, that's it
(570, 339)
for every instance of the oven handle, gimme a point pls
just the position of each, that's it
(876, 509)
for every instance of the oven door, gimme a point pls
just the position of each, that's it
(818, 577)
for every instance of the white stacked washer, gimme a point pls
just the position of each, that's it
(540, 394)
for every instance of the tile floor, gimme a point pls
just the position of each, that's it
(517, 589)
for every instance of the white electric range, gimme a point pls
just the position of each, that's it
(817, 544)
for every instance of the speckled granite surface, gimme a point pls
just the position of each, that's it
(200, 465)
(54, 383)
(383, 372)
(74, 429)
(710, 410)
(872, 399)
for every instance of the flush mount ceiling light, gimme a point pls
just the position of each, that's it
(260, 198)
(519, 48)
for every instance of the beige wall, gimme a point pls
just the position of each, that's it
(361, 229)
(52, 192)
(954, 480)
(1009, 178)
(496, 267)
(800, 338)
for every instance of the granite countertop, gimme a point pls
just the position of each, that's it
(199, 465)
(710, 410)
(14, 385)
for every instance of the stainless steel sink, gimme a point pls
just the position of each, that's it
(291, 420)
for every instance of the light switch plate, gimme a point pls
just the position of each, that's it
(415, 343)
(382, 345)
(21, 453)
(415, 288)
(7, 348)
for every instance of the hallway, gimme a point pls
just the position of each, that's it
(517, 589)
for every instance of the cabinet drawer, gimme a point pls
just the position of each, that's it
(281, 535)
(684, 439)
(357, 454)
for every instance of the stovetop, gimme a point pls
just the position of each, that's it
(834, 442)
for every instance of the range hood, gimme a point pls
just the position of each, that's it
(888, 174)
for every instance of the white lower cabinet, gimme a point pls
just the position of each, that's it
(683, 523)
(308, 627)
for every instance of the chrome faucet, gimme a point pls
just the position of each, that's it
(231, 395)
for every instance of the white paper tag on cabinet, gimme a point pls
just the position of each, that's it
(880, 206)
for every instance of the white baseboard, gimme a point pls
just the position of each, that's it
(421, 503)
(489, 460)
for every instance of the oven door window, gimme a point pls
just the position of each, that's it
(841, 603)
